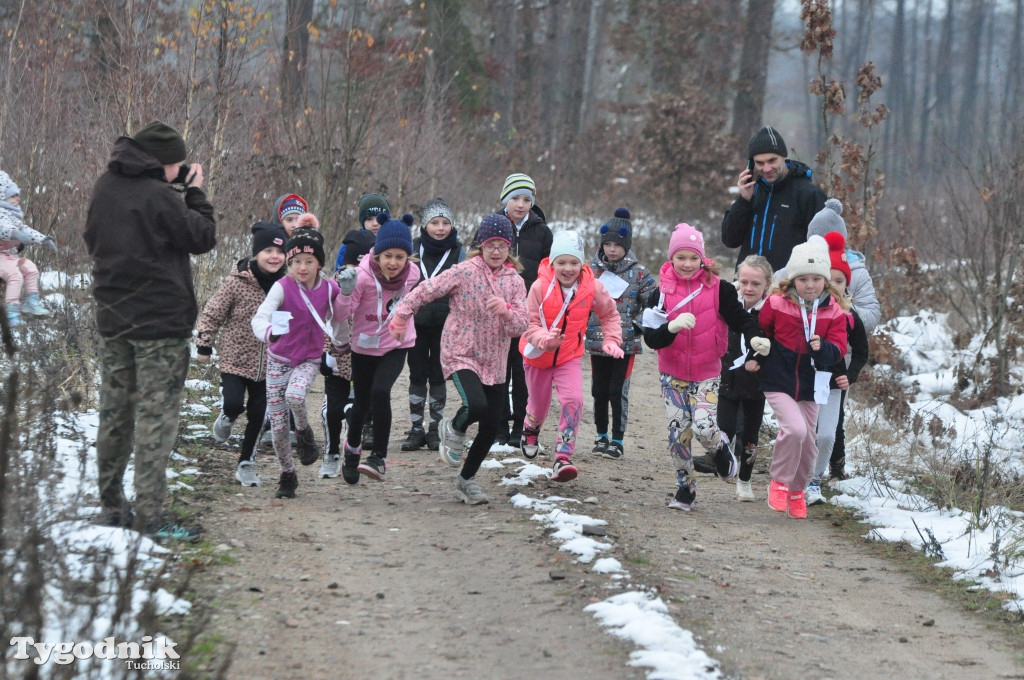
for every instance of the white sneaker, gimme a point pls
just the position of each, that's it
(246, 475)
(468, 491)
(331, 466)
(743, 491)
(812, 495)
(222, 428)
(450, 450)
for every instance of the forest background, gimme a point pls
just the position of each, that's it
(910, 111)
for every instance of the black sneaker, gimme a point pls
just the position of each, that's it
(373, 467)
(704, 464)
(367, 444)
(614, 450)
(433, 439)
(415, 440)
(600, 445)
(683, 500)
(287, 485)
(838, 472)
(305, 444)
(725, 462)
(502, 438)
(350, 468)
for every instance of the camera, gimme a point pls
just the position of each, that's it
(183, 174)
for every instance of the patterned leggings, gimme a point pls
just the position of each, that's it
(691, 408)
(286, 389)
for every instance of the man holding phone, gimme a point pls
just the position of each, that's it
(776, 203)
(140, 233)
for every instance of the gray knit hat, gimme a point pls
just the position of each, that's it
(828, 219)
(618, 230)
(436, 207)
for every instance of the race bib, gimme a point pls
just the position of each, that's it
(654, 318)
(821, 387)
(368, 341)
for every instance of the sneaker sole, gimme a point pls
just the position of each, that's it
(353, 480)
(249, 485)
(371, 473)
(610, 456)
(566, 474)
(676, 505)
(469, 500)
(328, 474)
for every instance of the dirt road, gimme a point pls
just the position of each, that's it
(398, 580)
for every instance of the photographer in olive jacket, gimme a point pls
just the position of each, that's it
(140, 234)
(776, 203)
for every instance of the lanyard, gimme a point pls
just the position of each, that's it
(437, 268)
(565, 305)
(684, 301)
(316, 317)
(381, 323)
(809, 325)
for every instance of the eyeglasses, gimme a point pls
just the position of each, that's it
(495, 247)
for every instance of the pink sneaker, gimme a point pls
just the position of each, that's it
(777, 493)
(797, 505)
(563, 471)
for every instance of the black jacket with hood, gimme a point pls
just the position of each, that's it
(140, 235)
(775, 218)
(532, 244)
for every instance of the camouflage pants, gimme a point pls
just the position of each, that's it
(140, 400)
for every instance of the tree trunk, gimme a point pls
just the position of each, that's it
(944, 74)
(505, 53)
(295, 51)
(587, 90)
(748, 106)
(1012, 118)
(892, 163)
(927, 105)
(972, 65)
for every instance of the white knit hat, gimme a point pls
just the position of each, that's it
(810, 258)
(570, 243)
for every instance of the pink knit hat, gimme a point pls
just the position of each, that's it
(686, 237)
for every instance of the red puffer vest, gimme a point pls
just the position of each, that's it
(696, 353)
(573, 325)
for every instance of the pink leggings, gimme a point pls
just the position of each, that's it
(567, 380)
(19, 273)
(796, 448)
(286, 389)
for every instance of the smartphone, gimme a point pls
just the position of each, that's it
(750, 168)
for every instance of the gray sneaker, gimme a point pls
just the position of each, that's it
(246, 475)
(452, 442)
(222, 428)
(468, 491)
(331, 466)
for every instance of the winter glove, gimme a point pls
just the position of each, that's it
(684, 320)
(398, 326)
(346, 279)
(325, 367)
(497, 306)
(50, 244)
(551, 341)
(760, 346)
(612, 349)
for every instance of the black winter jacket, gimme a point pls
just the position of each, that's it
(140, 235)
(739, 384)
(532, 244)
(775, 219)
(434, 313)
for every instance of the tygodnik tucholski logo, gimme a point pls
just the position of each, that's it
(151, 654)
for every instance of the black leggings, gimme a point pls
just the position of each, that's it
(336, 391)
(610, 384)
(234, 389)
(516, 377)
(480, 404)
(743, 416)
(372, 380)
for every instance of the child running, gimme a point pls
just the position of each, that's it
(382, 279)
(630, 285)
(487, 302)
(300, 308)
(439, 250)
(805, 320)
(844, 372)
(559, 303)
(688, 325)
(740, 399)
(242, 369)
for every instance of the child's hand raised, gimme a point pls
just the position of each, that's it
(815, 342)
(497, 306)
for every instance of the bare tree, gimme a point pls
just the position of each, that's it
(295, 50)
(753, 72)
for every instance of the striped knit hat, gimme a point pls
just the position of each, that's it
(518, 184)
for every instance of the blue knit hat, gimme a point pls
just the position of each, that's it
(394, 233)
(493, 226)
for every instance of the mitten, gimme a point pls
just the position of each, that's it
(398, 326)
(346, 279)
(497, 306)
(760, 346)
(612, 349)
(684, 320)
(551, 341)
(50, 244)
